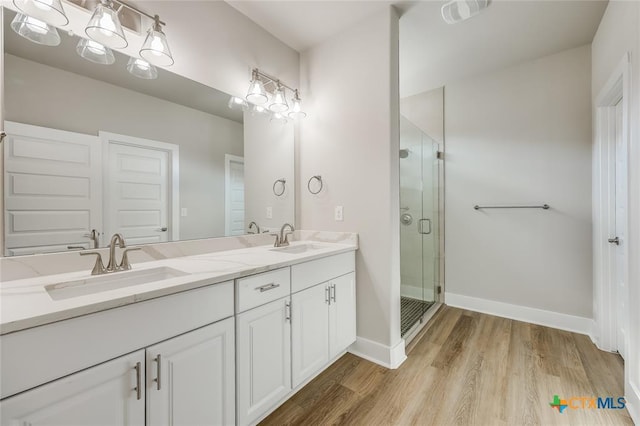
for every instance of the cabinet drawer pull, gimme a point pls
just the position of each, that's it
(287, 311)
(267, 287)
(333, 293)
(158, 359)
(138, 387)
(327, 295)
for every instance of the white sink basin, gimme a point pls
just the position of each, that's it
(112, 281)
(297, 249)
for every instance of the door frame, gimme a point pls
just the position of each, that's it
(228, 158)
(616, 89)
(172, 150)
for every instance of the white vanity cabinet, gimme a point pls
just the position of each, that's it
(109, 394)
(323, 325)
(191, 378)
(263, 343)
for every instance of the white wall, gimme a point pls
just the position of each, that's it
(619, 33)
(269, 155)
(49, 97)
(521, 135)
(351, 138)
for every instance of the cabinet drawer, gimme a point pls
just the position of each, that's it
(308, 274)
(263, 288)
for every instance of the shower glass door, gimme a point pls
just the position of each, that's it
(419, 220)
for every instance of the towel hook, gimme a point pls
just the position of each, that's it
(319, 179)
(283, 181)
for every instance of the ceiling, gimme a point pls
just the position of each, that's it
(432, 52)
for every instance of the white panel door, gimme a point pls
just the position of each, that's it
(234, 195)
(104, 395)
(342, 314)
(137, 201)
(52, 189)
(309, 332)
(191, 378)
(621, 194)
(263, 348)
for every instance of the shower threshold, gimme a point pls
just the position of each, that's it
(411, 310)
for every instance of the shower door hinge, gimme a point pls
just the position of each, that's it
(439, 289)
(440, 155)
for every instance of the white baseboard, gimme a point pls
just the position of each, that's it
(522, 313)
(386, 356)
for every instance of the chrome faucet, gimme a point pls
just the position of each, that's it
(284, 236)
(113, 265)
(252, 223)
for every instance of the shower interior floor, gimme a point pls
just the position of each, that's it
(411, 310)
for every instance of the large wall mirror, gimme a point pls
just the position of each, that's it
(92, 150)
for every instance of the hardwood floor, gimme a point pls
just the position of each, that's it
(466, 369)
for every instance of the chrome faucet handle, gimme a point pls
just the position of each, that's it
(98, 268)
(124, 263)
(277, 243)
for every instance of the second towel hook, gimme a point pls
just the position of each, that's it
(311, 179)
(283, 181)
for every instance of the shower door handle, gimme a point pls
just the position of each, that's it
(421, 226)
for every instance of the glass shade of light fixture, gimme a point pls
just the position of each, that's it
(296, 107)
(142, 69)
(456, 11)
(155, 49)
(278, 101)
(104, 27)
(257, 94)
(95, 52)
(278, 118)
(237, 103)
(35, 30)
(49, 11)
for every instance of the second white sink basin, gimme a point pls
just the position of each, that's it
(112, 281)
(297, 249)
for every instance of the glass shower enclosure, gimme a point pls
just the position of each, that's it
(419, 224)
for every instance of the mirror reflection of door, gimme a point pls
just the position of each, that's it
(53, 189)
(140, 189)
(234, 195)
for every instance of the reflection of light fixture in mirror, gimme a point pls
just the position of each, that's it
(104, 26)
(49, 11)
(278, 101)
(256, 94)
(258, 109)
(155, 48)
(35, 30)
(278, 118)
(142, 69)
(296, 107)
(95, 52)
(237, 103)
(460, 10)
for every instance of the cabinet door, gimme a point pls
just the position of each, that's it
(342, 314)
(191, 378)
(103, 395)
(264, 359)
(309, 332)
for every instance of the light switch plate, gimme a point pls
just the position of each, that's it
(183, 212)
(269, 212)
(339, 214)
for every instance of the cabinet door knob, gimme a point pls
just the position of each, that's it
(333, 293)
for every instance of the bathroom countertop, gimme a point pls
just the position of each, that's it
(26, 303)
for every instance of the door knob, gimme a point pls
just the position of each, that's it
(615, 241)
